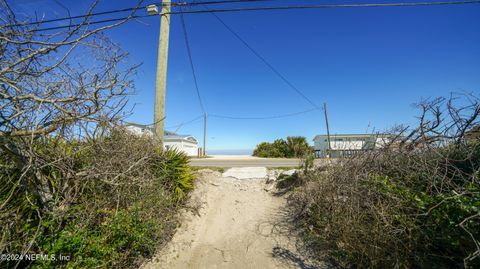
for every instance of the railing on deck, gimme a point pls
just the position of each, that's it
(343, 153)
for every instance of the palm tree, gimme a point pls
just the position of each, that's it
(298, 146)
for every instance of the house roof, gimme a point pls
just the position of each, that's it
(137, 125)
(168, 135)
(180, 137)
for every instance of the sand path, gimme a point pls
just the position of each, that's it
(235, 226)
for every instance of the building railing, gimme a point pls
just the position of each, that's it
(338, 153)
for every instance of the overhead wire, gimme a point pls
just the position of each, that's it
(328, 6)
(76, 17)
(189, 52)
(219, 2)
(229, 10)
(86, 23)
(132, 9)
(185, 123)
(269, 65)
(274, 69)
(185, 32)
(263, 118)
(213, 11)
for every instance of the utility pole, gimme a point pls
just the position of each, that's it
(161, 78)
(204, 133)
(326, 121)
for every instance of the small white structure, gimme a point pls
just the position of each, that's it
(344, 145)
(185, 143)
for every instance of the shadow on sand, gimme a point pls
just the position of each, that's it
(287, 255)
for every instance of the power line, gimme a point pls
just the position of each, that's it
(328, 6)
(111, 12)
(282, 77)
(76, 17)
(189, 52)
(86, 23)
(186, 122)
(231, 10)
(131, 9)
(247, 9)
(263, 118)
(220, 2)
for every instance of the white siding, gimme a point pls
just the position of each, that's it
(186, 144)
(351, 142)
(189, 148)
(320, 144)
(347, 145)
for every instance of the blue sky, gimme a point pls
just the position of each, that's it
(368, 64)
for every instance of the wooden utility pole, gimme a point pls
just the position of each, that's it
(326, 121)
(161, 79)
(204, 133)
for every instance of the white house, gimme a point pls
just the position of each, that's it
(343, 145)
(185, 143)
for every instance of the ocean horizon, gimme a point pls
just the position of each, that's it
(230, 152)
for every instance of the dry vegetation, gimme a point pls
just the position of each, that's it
(414, 204)
(72, 182)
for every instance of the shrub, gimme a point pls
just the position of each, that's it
(71, 183)
(396, 210)
(269, 150)
(293, 147)
(177, 171)
(298, 147)
(105, 203)
(413, 204)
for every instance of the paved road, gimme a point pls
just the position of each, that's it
(244, 161)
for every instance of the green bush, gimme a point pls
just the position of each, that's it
(111, 243)
(177, 171)
(293, 147)
(105, 203)
(270, 150)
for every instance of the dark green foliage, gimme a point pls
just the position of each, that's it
(106, 203)
(269, 150)
(298, 147)
(177, 171)
(293, 147)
